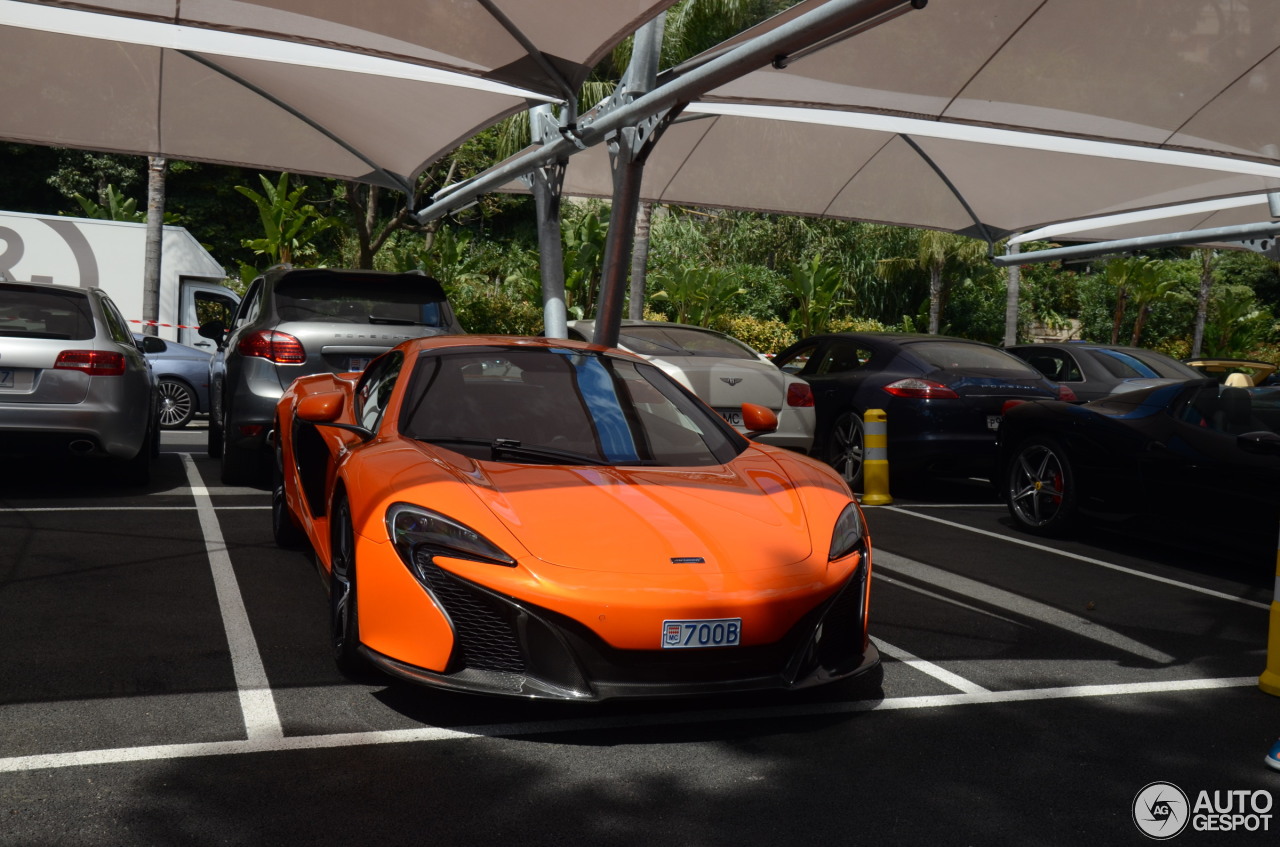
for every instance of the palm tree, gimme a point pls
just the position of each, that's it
(935, 251)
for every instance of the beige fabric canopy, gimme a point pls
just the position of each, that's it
(366, 91)
(986, 117)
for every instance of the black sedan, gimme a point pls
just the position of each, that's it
(1093, 371)
(943, 398)
(1181, 459)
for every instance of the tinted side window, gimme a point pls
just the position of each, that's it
(842, 357)
(116, 324)
(251, 306)
(800, 361)
(374, 391)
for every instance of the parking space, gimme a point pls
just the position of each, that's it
(166, 664)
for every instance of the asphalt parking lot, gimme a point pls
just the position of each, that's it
(166, 680)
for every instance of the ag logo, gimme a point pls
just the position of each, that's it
(1161, 810)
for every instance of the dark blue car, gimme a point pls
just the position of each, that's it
(183, 375)
(943, 397)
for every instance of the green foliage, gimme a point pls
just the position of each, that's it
(483, 311)
(696, 295)
(290, 225)
(583, 231)
(818, 290)
(116, 207)
(765, 335)
(1236, 324)
(976, 308)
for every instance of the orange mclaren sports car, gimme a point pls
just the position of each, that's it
(547, 518)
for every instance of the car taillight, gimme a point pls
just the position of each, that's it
(1066, 395)
(799, 394)
(278, 347)
(91, 362)
(921, 389)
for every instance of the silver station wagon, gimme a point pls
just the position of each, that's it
(73, 381)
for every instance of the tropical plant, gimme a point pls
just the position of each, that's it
(115, 207)
(290, 225)
(584, 239)
(698, 295)
(818, 290)
(1236, 324)
(935, 253)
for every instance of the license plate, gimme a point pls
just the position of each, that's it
(718, 632)
(358, 363)
(6, 379)
(993, 422)
(733, 416)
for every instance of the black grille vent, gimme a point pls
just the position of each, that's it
(483, 626)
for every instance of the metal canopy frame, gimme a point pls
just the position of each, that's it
(632, 119)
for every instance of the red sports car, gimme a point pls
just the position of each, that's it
(549, 518)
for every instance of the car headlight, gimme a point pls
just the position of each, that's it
(848, 532)
(413, 527)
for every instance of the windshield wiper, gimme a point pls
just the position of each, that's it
(511, 447)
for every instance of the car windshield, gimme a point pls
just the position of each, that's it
(682, 341)
(560, 407)
(957, 355)
(31, 312)
(395, 300)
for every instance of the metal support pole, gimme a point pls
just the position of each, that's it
(546, 183)
(617, 248)
(629, 148)
(1011, 301)
(1102, 248)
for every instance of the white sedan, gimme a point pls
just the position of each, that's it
(723, 371)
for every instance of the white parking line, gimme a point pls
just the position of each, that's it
(618, 722)
(1099, 562)
(261, 720)
(1018, 604)
(954, 680)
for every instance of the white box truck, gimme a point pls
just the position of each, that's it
(111, 255)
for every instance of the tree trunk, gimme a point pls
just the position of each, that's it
(935, 299)
(1121, 297)
(1207, 259)
(640, 262)
(154, 245)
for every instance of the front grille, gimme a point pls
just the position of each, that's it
(484, 628)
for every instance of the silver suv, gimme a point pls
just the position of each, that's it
(293, 322)
(72, 379)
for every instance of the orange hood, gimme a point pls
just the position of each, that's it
(739, 517)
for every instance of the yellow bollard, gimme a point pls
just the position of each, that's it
(1270, 679)
(875, 459)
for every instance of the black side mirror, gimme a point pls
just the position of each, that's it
(154, 344)
(215, 330)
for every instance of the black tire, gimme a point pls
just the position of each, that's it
(137, 471)
(284, 528)
(215, 437)
(177, 404)
(846, 447)
(344, 625)
(240, 466)
(1040, 487)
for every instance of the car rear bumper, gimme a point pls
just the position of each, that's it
(82, 429)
